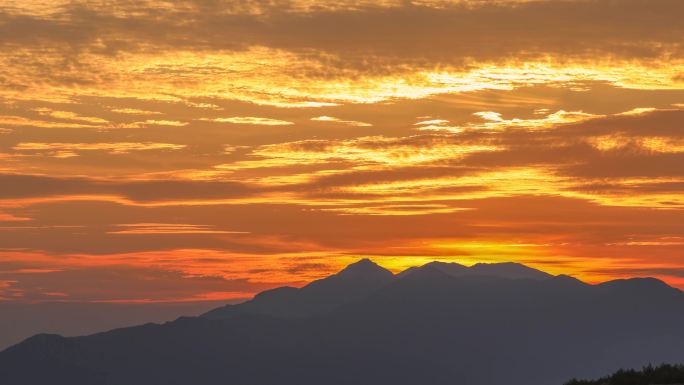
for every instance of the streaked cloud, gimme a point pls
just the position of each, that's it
(157, 122)
(22, 121)
(5, 217)
(169, 228)
(68, 115)
(112, 148)
(259, 121)
(337, 120)
(647, 143)
(134, 111)
(431, 122)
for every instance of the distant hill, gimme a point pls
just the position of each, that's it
(649, 375)
(435, 324)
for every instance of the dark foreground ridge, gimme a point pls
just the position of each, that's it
(437, 324)
(649, 375)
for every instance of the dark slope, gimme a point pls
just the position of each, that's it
(427, 327)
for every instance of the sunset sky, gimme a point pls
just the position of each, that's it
(172, 151)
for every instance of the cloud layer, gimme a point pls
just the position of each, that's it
(206, 150)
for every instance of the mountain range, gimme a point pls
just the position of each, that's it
(440, 323)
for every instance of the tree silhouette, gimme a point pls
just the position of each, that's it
(664, 374)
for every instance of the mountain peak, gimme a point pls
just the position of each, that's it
(568, 279)
(318, 297)
(364, 268)
(511, 270)
(639, 283)
(363, 262)
(443, 264)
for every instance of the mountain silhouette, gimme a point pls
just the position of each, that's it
(435, 324)
(509, 270)
(355, 281)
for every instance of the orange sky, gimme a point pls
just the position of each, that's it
(191, 150)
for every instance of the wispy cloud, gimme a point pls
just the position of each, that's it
(337, 120)
(253, 120)
(169, 228)
(134, 111)
(112, 148)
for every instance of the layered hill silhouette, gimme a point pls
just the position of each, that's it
(436, 324)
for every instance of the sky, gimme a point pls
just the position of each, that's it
(205, 150)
